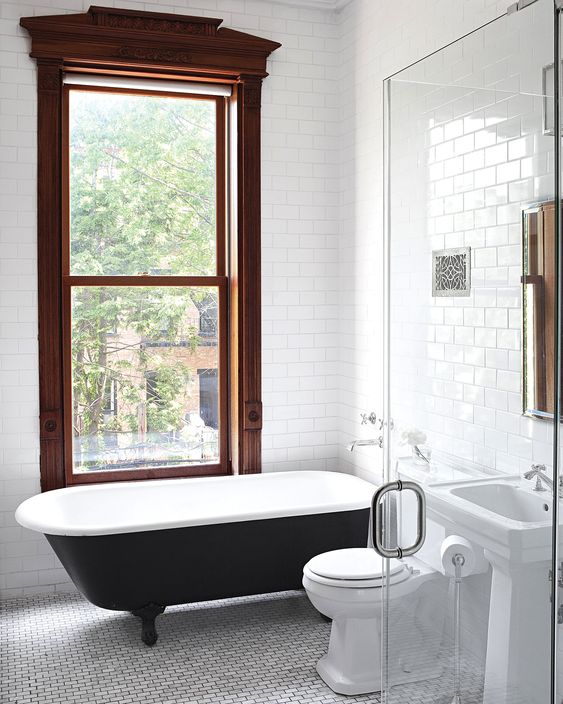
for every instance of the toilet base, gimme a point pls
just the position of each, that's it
(338, 682)
(352, 664)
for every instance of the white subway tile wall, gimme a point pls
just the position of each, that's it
(377, 40)
(442, 348)
(322, 238)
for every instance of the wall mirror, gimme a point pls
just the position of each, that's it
(538, 295)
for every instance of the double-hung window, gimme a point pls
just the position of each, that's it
(144, 278)
(148, 229)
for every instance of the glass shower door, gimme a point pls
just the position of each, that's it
(471, 204)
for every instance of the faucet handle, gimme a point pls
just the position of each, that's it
(368, 418)
(539, 468)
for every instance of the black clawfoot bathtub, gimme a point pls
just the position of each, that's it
(142, 546)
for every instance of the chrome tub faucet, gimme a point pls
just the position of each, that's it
(371, 419)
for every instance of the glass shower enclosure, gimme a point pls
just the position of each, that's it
(472, 221)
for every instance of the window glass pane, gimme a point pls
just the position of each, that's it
(144, 377)
(142, 184)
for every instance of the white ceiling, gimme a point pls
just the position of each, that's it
(319, 4)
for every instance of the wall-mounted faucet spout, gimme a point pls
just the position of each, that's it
(369, 441)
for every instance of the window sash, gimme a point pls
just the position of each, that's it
(181, 470)
(220, 280)
(221, 169)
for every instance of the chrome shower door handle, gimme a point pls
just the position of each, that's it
(377, 519)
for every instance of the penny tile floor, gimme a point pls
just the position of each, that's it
(60, 649)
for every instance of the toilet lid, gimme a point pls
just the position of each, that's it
(352, 564)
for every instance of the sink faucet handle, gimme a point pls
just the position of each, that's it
(539, 485)
(539, 473)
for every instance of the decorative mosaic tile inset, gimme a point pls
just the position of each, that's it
(59, 649)
(451, 272)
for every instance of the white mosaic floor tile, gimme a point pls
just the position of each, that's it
(257, 650)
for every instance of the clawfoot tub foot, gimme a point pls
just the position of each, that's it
(148, 615)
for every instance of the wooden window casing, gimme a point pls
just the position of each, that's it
(130, 43)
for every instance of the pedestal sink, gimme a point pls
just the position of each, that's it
(512, 523)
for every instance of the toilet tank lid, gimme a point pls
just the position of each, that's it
(351, 563)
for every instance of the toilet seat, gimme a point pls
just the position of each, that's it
(354, 568)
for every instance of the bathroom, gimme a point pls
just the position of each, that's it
(371, 476)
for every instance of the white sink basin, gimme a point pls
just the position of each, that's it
(502, 515)
(508, 501)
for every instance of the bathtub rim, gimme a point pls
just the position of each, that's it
(33, 513)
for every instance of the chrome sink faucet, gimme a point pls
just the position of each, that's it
(539, 472)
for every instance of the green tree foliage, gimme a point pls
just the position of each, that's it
(142, 200)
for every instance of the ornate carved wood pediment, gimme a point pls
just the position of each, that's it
(107, 36)
(153, 22)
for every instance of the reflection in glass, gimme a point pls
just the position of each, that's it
(144, 377)
(538, 281)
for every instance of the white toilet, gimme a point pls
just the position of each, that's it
(345, 585)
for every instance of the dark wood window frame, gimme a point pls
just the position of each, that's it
(130, 43)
